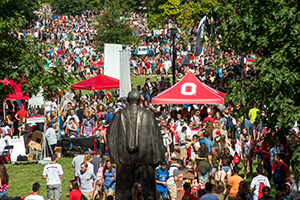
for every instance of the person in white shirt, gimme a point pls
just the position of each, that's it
(72, 115)
(189, 132)
(53, 172)
(257, 180)
(194, 145)
(173, 177)
(51, 136)
(167, 65)
(35, 193)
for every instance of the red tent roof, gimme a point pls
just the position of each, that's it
(216, 91)
(189, 90)
(99, 82)
(18, 94)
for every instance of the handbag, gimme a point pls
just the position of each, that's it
(204, 166)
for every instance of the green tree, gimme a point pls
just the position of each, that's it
(113, 26)
(70, 7)
(271, 27)
(183, 12)
(24, 54)
(26, 7)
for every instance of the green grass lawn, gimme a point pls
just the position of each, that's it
(21, 178)
(135, 81)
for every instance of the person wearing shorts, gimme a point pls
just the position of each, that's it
(87, 180)
(111, 187)
(53, 173)
(226, 162)
(182, 144)
(173, 177)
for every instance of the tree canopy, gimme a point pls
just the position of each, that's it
(183, 12)
(113, 26)
(69, 7)
(26, 7)
(21, 62)
(272, 28)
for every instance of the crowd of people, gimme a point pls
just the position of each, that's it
(208, 139)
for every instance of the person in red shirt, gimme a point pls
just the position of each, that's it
(21, 113)
(75, 193)
(187, 188)
(267, 157)
(209, 119)
(279, 161)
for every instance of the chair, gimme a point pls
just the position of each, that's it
(6, 153)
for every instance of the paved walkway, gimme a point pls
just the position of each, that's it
(187, 174)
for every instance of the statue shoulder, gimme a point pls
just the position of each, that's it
(146, 112)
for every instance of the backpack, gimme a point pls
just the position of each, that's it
(260, 192)
(278, 173)
(229, 123)
(61, 123)
(236, 158)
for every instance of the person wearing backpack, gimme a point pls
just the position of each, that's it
(258, 182)
(162, 175)
(279, 170)
(235, 152)
(173, 177)
(226, 123)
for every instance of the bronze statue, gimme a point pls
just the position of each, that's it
(135, 145)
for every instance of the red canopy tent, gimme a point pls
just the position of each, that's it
(189, 90)
(18, 94)
(99, 82)
(216, 91)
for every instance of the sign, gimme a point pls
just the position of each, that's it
(125, 82)
(142, 50)
(112, 60)
(2, 144)
(19, 147)
(36, 109)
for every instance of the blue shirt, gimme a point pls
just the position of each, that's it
(109, 116)
(248, 125)
(209, 197)
(162, 176)
(208, 143)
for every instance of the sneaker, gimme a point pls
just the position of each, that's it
(173, 155)
(188, 166)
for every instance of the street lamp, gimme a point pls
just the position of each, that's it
(211, 21)
(173, 30)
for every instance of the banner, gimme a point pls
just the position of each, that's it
(36, 109)
(125, 82)
(19, 147)
(112, 60)
(200, 36)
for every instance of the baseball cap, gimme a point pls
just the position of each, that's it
(210, 113)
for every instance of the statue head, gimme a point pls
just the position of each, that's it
(134, 97)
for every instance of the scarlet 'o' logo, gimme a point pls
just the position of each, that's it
(188, 89)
